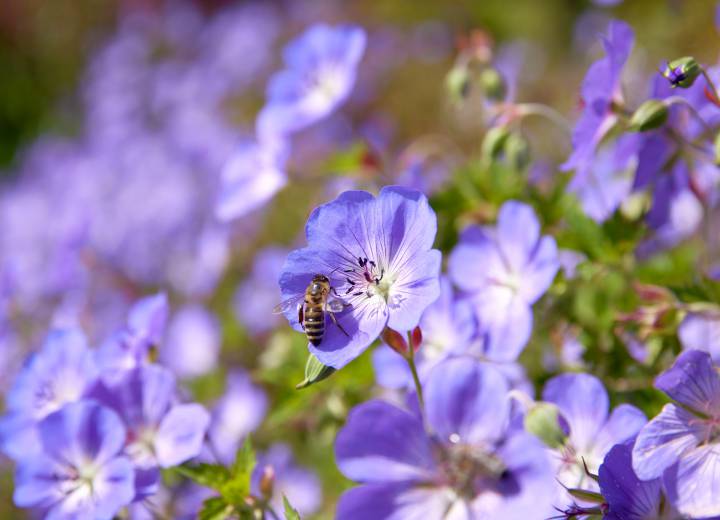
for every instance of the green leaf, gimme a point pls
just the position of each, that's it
(588, 496)
(214, 508)
(237, 487)
(290, 512)
(212, 476)
(314, 372)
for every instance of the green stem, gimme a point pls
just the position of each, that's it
(538, 109)
(416, 379)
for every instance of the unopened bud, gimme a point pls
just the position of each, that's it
(395, 341)
(416, 338)
(492, 84)
(682, 72)
(545, 422)
(457, 83)
(493, 142)
(267, 482)
(650, 115)
(517, 151)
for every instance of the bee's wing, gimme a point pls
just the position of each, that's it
(289, 304)
(336, 305)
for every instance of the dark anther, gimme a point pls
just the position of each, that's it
(372, 264)
(349, 289)
(357, 293)
(362, 261)
(349, 270)
(377, 280)
(350, 281)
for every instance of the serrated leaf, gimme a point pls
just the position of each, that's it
(314, 372)
(290, 512)
(237, 487)
(214, 508)
(212, 476)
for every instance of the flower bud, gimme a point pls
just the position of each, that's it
(395, 341)
(457, 83)
(545, 422)
(267, 482)
(517, 151)
(682, 72)
(650, 115)
(493, 142)
(416, 338)
(492, 84)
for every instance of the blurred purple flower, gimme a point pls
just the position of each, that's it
(584, 405)
(377, 254)
(321, 68)
(505, 270)
(256, 297)
(193, 342)
(252, 176)
(680, 444)
(473, 465)
(701, 331)
(600, 87)
(61, 372)
(81, 472)
(301, 486)
(626, 496)
(239, 411)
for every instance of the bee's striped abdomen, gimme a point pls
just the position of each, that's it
(314, 319)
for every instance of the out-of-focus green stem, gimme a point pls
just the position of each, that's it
(549, 113)
(410, 357)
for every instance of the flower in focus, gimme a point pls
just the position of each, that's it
(61, 372)
(321, 69)
(473, 465)
(681, 444)
(377, 254)
(583, 405)
(81, 472)
(505, 270)
(301, 486)
(251, 177)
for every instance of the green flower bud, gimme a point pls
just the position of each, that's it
(492, 84)
(457, 83)
(493, 142)
(682, 72)
(517, 151)
(650, 115)
(545, 422)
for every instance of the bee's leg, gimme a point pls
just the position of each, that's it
(301, 317)
(336, 322)
(345, 305)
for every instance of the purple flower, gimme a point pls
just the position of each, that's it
(626, 496)
(473, 465)
(61, 372)
(160, 431)
(448, 327)
(681, 444)
(583, 404)
(321, 68)
(301, 486)
(81, 472)
(600, 87)
(238, 412)
(259, 294)
(701, 331)
(377, 254)
(251, 177)
(505, 270)
(193, 342)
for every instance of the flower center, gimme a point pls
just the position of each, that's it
(470, 469)
(367, 279)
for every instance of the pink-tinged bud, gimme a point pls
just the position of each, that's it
(267, 482)
(416, 338)
(653, 293)
(395, 340)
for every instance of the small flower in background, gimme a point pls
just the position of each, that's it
(321, 69)
(680, 444)
(259, 293)
(701, 331)
(300, 485)
(377, 253)
(584, 405)
(60, 373)
(505, 270)
(474, 464)
(193, 342)
(81, 471)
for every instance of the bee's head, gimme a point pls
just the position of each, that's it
(321, 278)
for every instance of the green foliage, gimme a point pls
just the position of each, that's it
(314, 372)
(290, 512)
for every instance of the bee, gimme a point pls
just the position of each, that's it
(316, 303)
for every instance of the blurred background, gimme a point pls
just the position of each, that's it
(155, 95)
